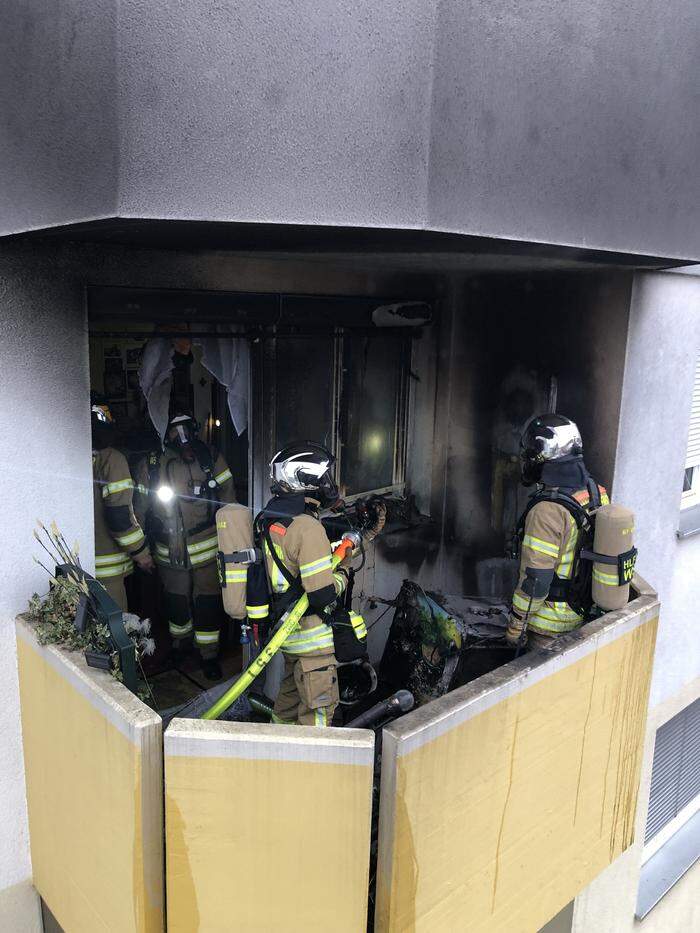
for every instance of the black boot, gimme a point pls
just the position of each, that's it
(181, 649)
(212, 669)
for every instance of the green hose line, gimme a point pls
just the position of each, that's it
(288, 624)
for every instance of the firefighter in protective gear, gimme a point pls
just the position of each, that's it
(551, 457)
(297, 550)
(119, 539)
(185, 485)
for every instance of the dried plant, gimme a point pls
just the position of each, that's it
(54, 614)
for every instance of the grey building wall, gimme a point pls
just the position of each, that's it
(664, 340)
(45, 473)
(58, 112)
(562, 122)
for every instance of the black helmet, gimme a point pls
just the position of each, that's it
(305, 468)
(546, 438)
(101, 422)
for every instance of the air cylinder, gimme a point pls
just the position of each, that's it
(234, 529)
(614, 536)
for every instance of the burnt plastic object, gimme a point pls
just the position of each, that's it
(422, 650)
(430, 651)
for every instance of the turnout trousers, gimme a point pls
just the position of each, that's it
(193, 606)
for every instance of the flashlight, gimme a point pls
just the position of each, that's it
(165, 493)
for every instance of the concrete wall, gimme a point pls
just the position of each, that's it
(58, 113)
(45, 473)
(555, 122)
(664, 341)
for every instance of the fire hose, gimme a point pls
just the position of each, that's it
(286, 626)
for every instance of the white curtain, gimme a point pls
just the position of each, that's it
(227, 358)
(155, 379)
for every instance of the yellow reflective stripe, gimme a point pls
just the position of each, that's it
(106, 559)
(134, 537)
(102, 572)
(549, 625)
(315, 566)
(203, 557)
(320, 717)
(178, 630)
(539, 544)
(323, 642)
(558, 612)
(257, 612)
(206, 638)
(111, 489)
(223, 476)
(205, 545)
(522, 602)
(239, 575)
(608, 579)
(358, 623)
(604, 499)
(312, 639)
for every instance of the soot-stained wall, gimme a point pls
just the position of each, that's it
(487, 367)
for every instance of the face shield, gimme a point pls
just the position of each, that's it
(180, 436)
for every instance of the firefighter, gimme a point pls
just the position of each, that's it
(298, 554)
(185, 485)
(551, 456)
(119, 539)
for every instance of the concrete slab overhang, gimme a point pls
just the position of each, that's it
(539, 123)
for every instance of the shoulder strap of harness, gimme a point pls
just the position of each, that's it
(575, 509)
(153, 465)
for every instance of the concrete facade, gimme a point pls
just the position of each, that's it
(547, 122)
(663, 345)
(43, 422)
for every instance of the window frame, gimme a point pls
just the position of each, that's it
(690, 498)
(263, 399)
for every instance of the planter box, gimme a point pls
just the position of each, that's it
(94, 770)
(503, 799)
(267, 827)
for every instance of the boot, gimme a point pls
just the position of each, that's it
(211, 668)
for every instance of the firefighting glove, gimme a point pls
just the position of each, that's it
(144, 561)
(379, 522)
(514, 630)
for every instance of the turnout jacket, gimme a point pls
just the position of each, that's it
(303, 547)
(118, 534)
(549, 545)
(184, 529)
